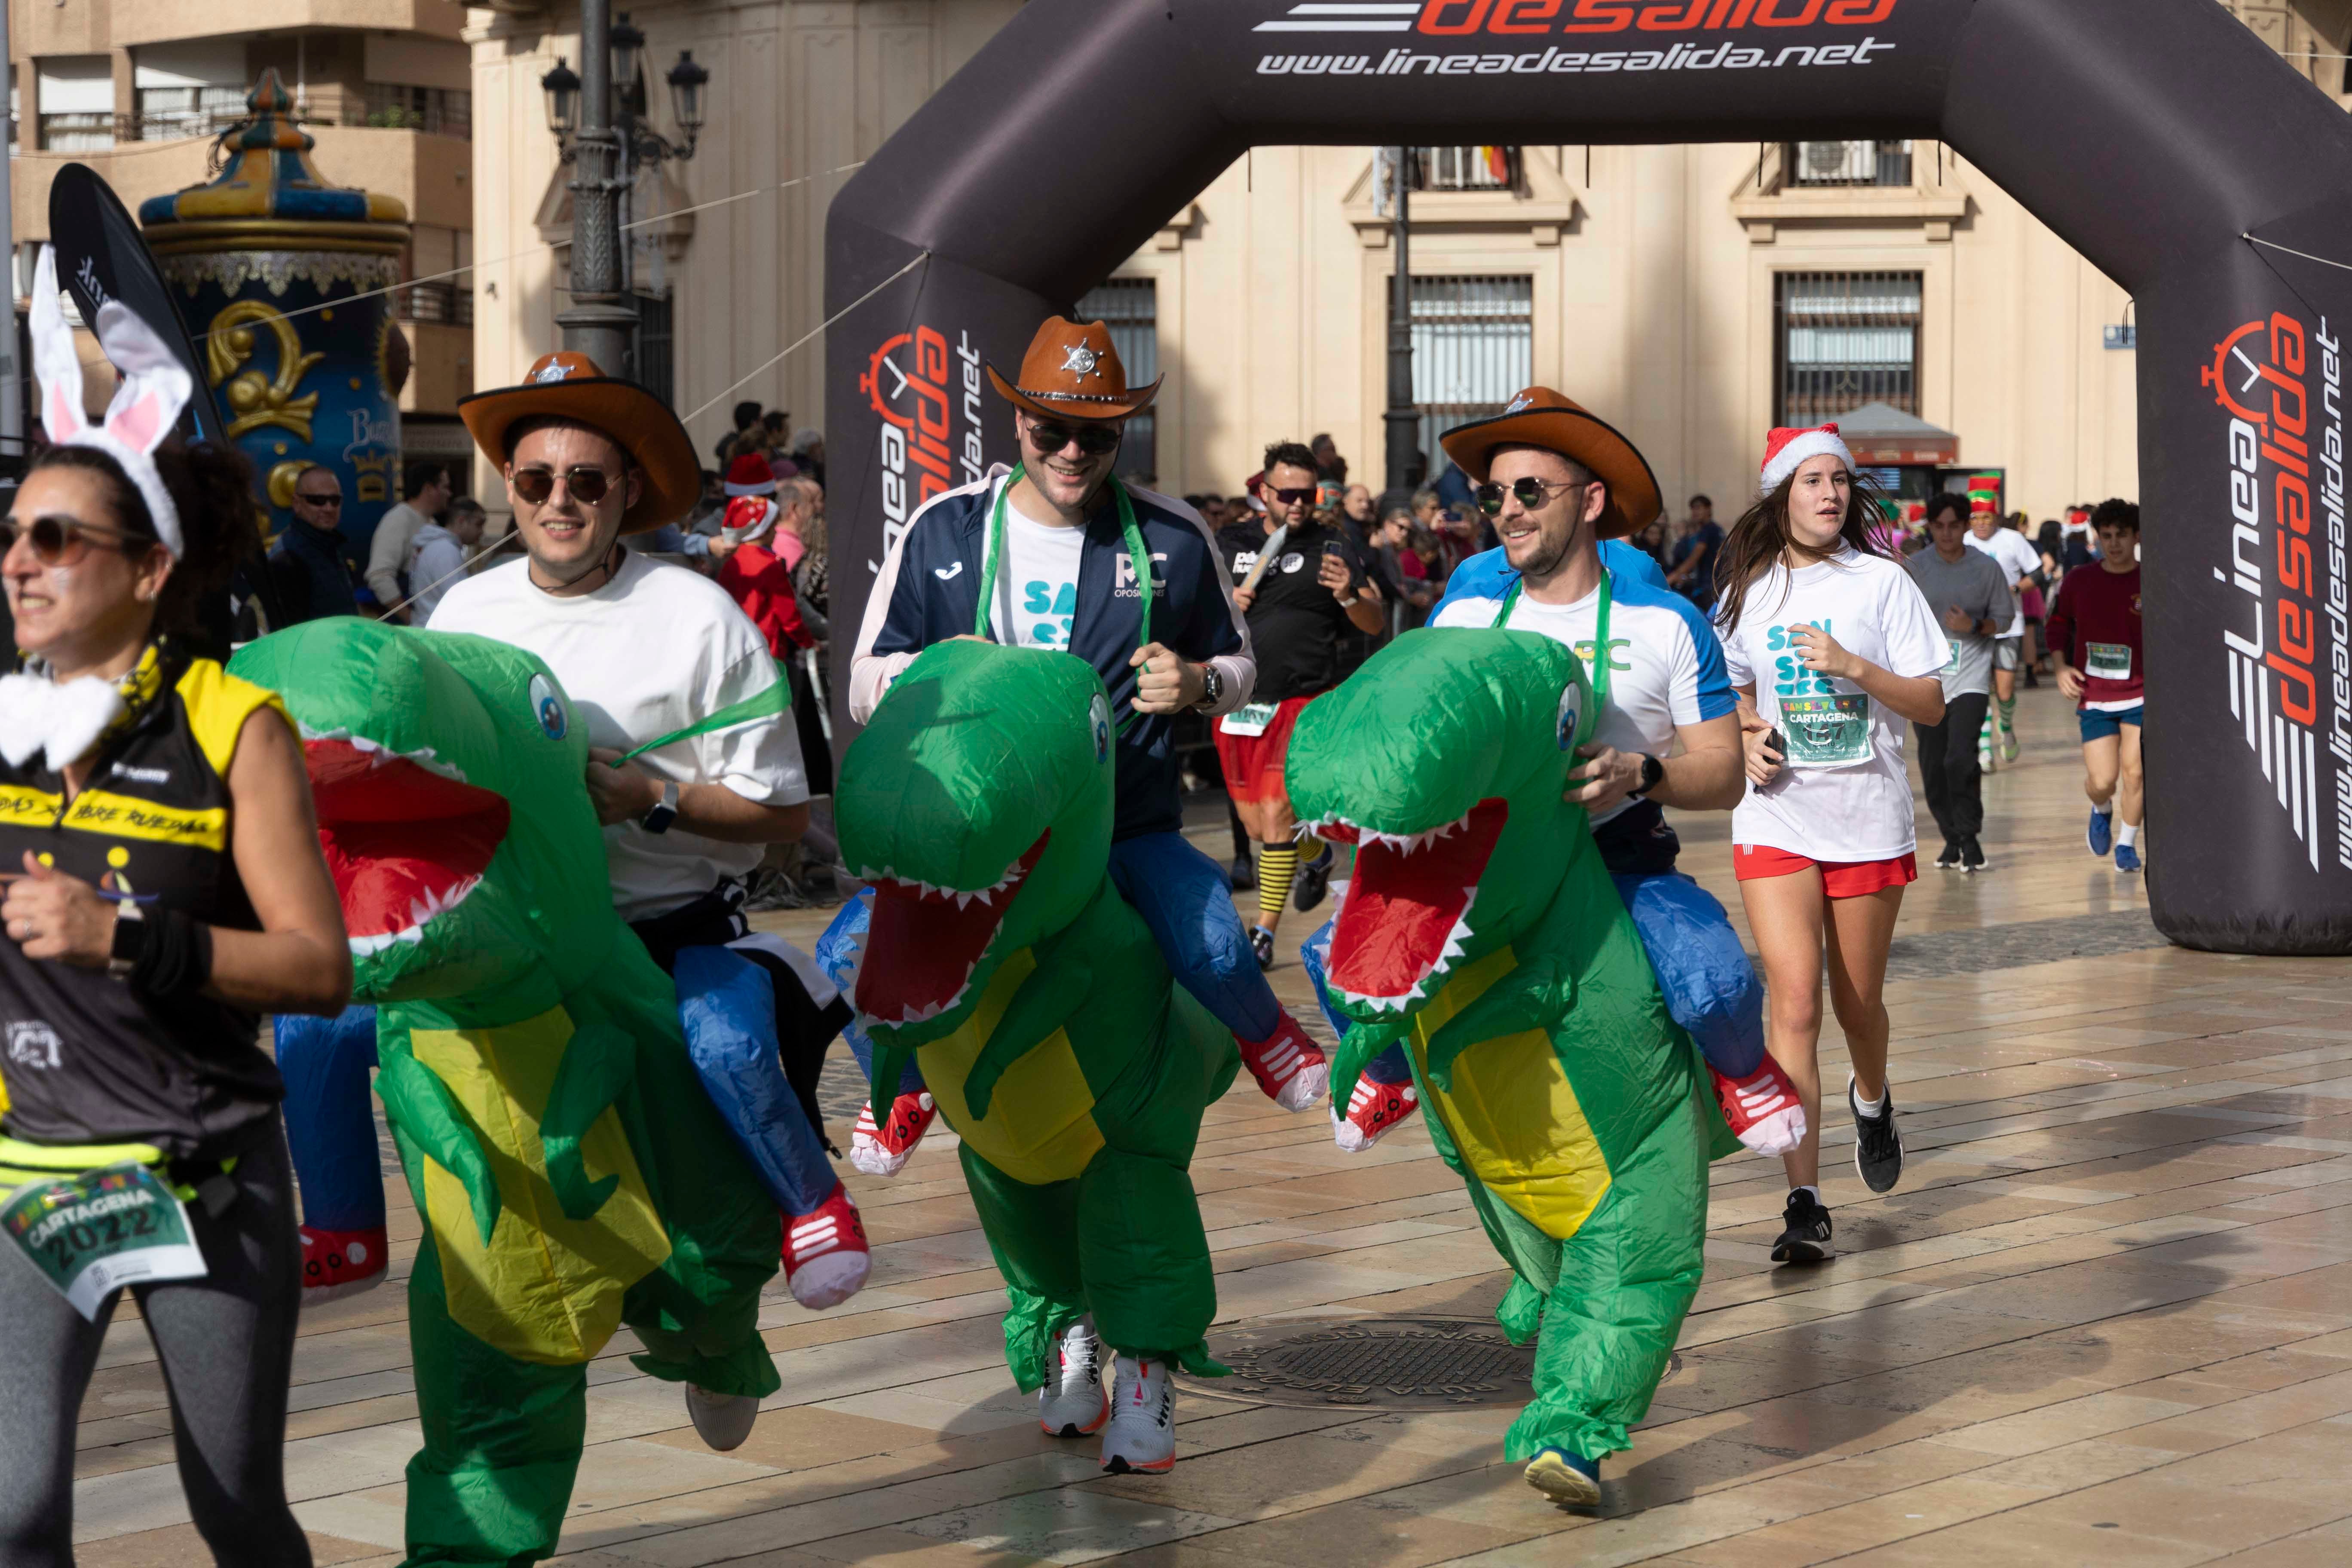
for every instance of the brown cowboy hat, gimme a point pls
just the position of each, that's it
(569, 385)
(1072, 371)
(1539, 416)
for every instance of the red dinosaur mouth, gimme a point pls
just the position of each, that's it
(1408, 904)
(405, 838)
(924, 943)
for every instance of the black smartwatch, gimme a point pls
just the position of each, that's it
(1212, 686)
(664, 810)
(131, 931)
(1653, 772)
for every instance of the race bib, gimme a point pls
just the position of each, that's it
(93, 1234)
(1250, 719)
(2109, 661)
(1953, 663)
(1826, 731)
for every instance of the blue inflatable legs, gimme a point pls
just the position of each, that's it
(330, 1123)
(1187, 903)
(1709, 985)
(727, 1006)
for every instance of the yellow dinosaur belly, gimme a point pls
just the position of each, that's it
(547, 1288)
(1512, 1113)
(1040, 1125)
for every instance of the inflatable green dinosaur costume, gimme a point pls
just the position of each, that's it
(1481, 930)
(977, 802)
(570, 1172)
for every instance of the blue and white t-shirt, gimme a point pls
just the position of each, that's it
(1666, 668)
(1036, 583)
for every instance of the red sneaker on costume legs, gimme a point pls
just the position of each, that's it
(1373, 1110)
(885, 1151)
(1290, 1068)
(1762, 1108)
(340, 1263)
(825, 1255)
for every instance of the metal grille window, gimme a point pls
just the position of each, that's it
(1463, 168)
(1844, 339)
(652, 364)
(1129, 307)
(444, 111)
(1849, 163)
(1473, 347)
(167, 114)
(447, 304)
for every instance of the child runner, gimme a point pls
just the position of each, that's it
(2095, 638)
(1835, 646)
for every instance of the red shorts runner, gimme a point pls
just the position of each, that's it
(1840, 878)
(1252, 763)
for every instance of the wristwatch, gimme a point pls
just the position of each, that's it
(1653, 772)
(129, 939)
(1212, 686)
(664, 810)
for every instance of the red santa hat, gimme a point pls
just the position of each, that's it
(748, 475)
(1785, 452)
(747, 518)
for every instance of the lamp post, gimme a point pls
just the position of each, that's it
(1403, 419)
(598, 120)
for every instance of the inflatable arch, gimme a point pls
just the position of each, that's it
(2159, 137)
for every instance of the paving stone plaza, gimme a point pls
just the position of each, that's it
(2105, 1317)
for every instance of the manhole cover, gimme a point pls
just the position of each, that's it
(1386, 1363)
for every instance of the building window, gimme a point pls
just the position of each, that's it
(444, 111)
(651, 363)
(1811, 163)
(74, 96)
(1473, 348)
(1129, 307)
(192, 87)
(1844, 339)
(440, 303)
(1463, 168)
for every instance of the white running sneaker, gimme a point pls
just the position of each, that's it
(1073, 1403)
(1141, 1436)
(723, 1420)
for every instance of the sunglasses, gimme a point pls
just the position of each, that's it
(1293, 496)
(1093, 440)
(588, 486)
(1531, 493)
(334, 501)
(55, 539)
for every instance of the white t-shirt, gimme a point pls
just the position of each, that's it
(434, 566)
(1664, 671)
(654, 650)
(389, 548)
(2018, 557)
(1844, 794)
(1036, 583)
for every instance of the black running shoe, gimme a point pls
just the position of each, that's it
(1950, 861)
(1262, 944)
(1313, 880)
(1806, 1238)
(1972, 858)
(1244, 876)
(1877, 1146)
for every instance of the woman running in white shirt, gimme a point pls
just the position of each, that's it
(1833, 646)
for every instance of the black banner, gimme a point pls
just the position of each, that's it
(2152, 135)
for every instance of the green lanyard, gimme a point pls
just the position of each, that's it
(1600, 641)
(1137, 555)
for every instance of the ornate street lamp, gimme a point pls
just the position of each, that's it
(561, 85)
(628, 45)
(687, 82)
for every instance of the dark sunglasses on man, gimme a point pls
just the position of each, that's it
(1532, 492)
(1293, 496)
(1093, 440)
(588, 486)
(58, 541)
(334, 500)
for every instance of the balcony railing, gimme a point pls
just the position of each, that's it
(78, 132)
(435, 304)
(441, 111)
(435, 111)
(1817, 164)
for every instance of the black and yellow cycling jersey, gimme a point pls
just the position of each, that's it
(85, 1057)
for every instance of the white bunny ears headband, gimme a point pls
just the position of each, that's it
(155, 387)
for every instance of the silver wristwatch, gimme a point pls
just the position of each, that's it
(664, 810)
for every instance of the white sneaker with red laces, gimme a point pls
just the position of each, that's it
(1290, 1068)
(885, 1151)
(1141, 1436)
(1762, 1108)
(340, 1263)
(1373, 1110)
(1074, 1403)
(826, 1260)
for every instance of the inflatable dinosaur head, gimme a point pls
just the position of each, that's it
(446, 772)
(977, 803)
(1444, 760)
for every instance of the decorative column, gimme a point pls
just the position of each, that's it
(267, 265)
